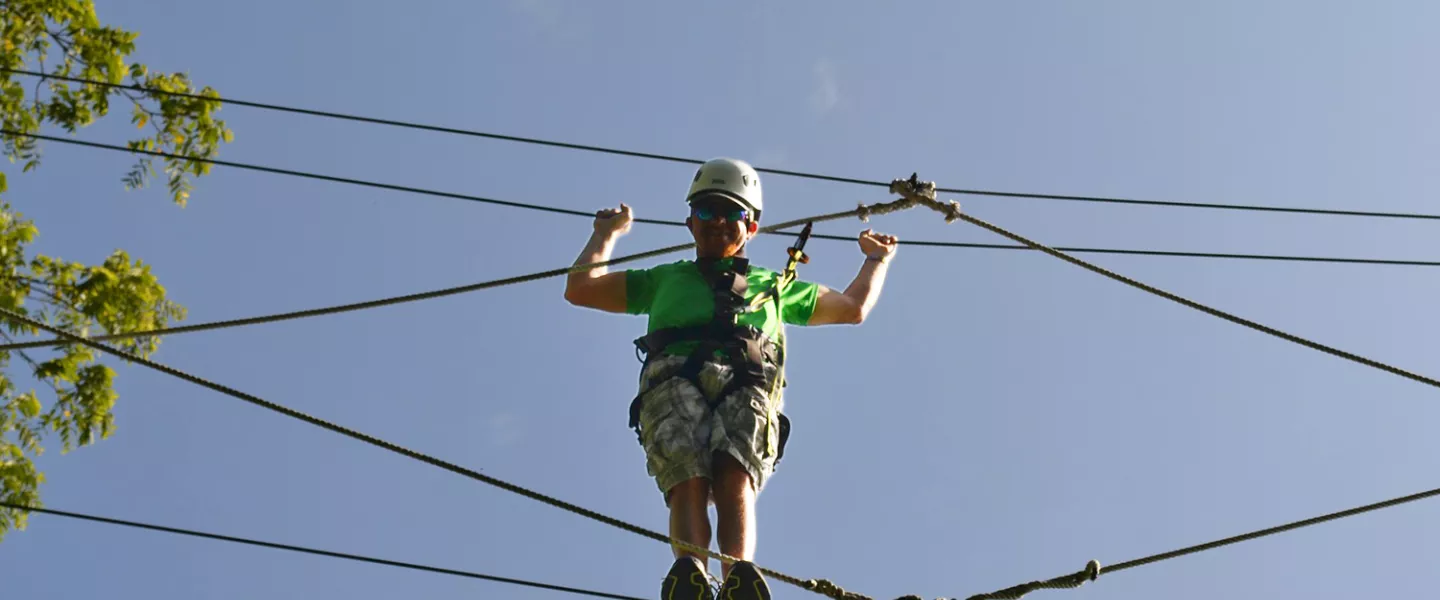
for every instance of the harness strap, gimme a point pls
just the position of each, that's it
(745, 348)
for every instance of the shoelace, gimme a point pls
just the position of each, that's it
(716, 584)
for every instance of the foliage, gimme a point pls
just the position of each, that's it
(66, 38)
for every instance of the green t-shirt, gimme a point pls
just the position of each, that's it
(677, 295)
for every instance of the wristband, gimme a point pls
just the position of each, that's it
(881, 260)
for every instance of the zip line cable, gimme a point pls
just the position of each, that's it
(1093, 569)
(425, 458)
(925, 193)
(483, 285)
(1166, 253)
(580, 213)
(316, 551)
(1203, 308)
(462, 289)
(1012, 593)
(679, 159)
(820, 586)
(880, 208)
(302, 174)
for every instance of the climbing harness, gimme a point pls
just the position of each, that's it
(797, 256)
(745, 348)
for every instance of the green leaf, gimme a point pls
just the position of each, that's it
(109, 294)
(29, 405)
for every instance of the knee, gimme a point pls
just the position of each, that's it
(690, 492)
(732, 481)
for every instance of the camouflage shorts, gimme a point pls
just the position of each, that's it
(681, 434)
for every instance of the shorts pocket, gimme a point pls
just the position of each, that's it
(753, 425)
(667, 429)
(657, 407)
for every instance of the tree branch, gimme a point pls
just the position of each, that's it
(69, 49)
(31, 362)
(54, 297)
(40, 81)
(32, 281)
(151, 116)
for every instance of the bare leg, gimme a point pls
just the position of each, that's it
(690, 515)
(734, 509)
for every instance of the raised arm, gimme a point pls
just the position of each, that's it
(854, 304)
(598, 288)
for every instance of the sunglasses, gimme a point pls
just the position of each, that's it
(709, 212)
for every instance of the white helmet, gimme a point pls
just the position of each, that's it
(729, 177)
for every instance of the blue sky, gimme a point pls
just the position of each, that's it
(1002, 417)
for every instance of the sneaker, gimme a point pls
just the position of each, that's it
(687, 580)
(745, 583)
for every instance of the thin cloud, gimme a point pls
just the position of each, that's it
(771, 157)
(505, 429)
(544, 11)
(550, 18)
(826, 93)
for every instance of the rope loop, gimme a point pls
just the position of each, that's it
(828, 588)
(1092, 568)
(863, 212)
(915, 191)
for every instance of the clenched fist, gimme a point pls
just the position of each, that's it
(878, 246)
(614, 222)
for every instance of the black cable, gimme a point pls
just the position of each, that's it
(1164, 253)
(580, 213)
(821, 586)
(416, 297)
(680, 159)
(1098, 199)
(1209, 310)
(1093, 570)
(316, 551)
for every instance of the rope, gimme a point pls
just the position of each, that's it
(1089, 573)
(820, 586)
(315, 551)
(1206, 309)
(680, 159)
(1166, 253)
(579, 213)
(1093, 569)
(924, 193)
(863, 212)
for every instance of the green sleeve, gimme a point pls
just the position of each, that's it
(639, 291)
(797, 302)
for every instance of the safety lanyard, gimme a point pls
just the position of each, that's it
(797, 257)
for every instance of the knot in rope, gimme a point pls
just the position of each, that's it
(915, 191)
(829, 589)
(913, 187)
(1092, 569)
(1091, 572)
